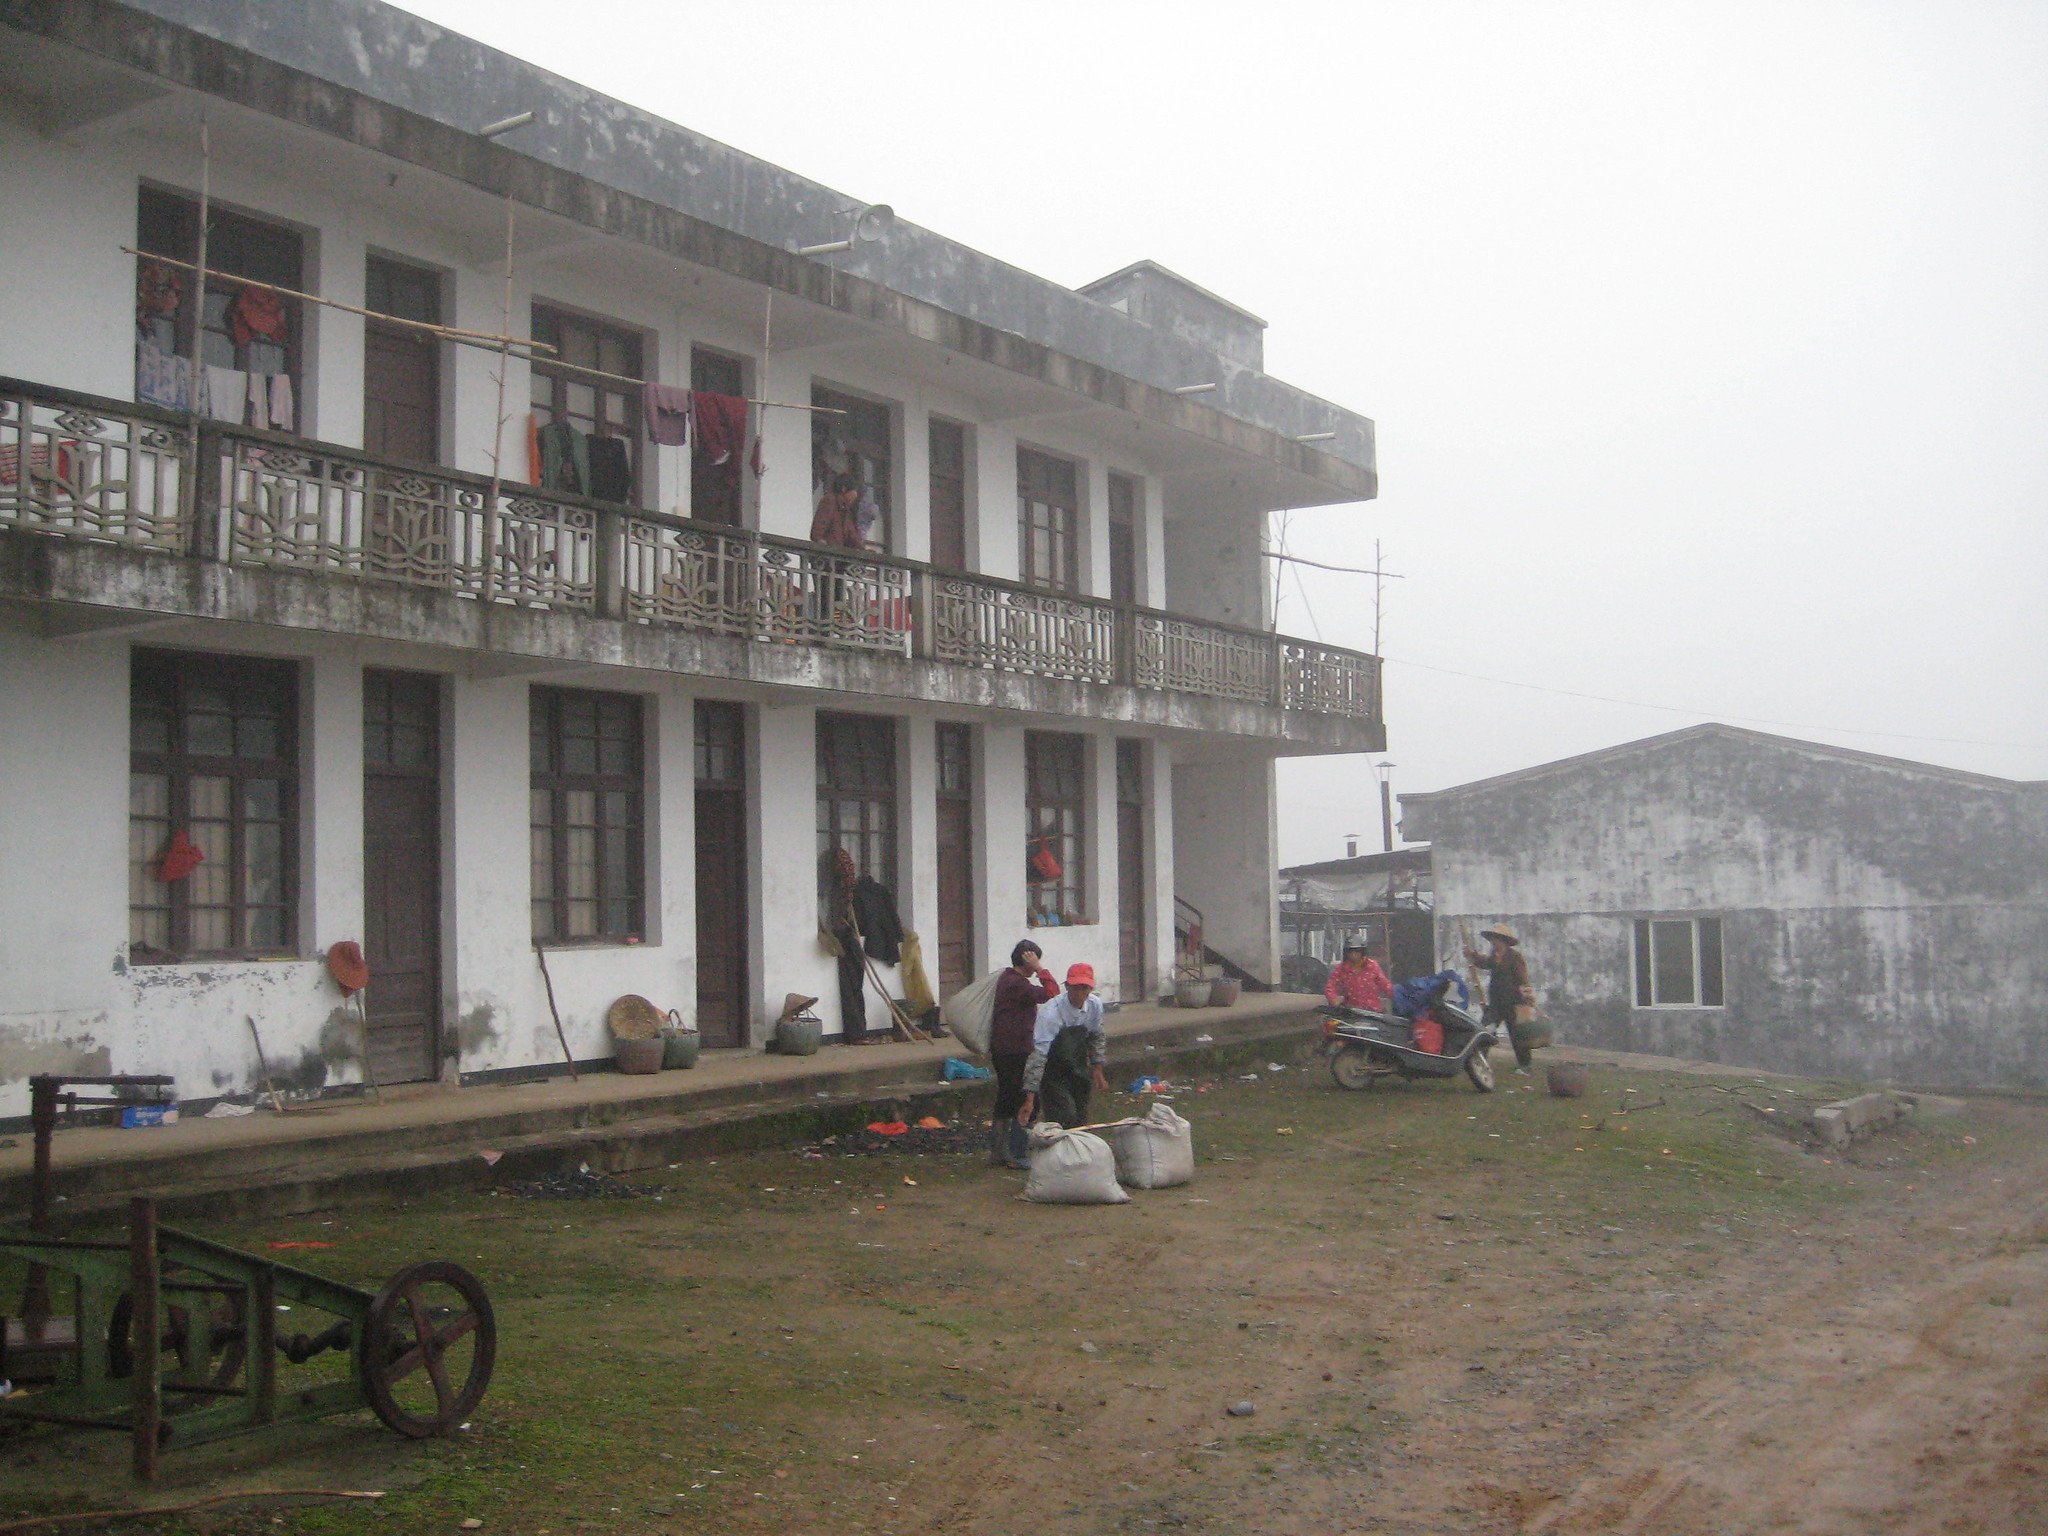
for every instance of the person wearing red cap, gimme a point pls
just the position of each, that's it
(1068, 1050)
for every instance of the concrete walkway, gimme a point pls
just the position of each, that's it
(405, 1141)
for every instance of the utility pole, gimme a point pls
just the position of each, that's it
(1385, 770)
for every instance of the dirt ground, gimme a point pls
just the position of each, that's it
(1643, 1311)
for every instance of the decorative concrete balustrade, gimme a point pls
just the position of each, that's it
(104, 471)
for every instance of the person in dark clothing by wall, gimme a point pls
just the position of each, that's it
(1019, 990)
(1507, 985)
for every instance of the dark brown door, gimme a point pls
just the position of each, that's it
(949, 495)
(721, 875)
(402, 366)
(956, 859)
(714, 487)
(402, 874)
(1130, 869)
(1123, 539)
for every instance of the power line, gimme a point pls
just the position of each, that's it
(1685, 709)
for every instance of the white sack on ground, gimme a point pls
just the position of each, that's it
(1071, 1168)
(970, 1013)
(1156, 1152)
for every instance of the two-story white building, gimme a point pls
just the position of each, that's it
(329, 612)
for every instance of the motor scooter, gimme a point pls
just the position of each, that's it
(1363, 1047)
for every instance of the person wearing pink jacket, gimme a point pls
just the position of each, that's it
(1358, 982)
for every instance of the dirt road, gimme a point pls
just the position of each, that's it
(1641, 1312)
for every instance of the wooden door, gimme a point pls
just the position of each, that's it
(949, 495)
(402, 366)
(956, 859)
(1130, 871)
(402, 874)
(715, 493)
(721, 875)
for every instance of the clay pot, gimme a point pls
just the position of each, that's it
(1223, 991)
(798, 1037)
(1568, 1079)
(1191, 994)
(637, 1056)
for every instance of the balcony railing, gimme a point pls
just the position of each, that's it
(104, 471)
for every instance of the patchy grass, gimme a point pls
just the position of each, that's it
(790, 1343)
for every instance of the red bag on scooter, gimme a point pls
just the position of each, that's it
(1429, 1033)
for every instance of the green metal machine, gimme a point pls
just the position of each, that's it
(174, 1340)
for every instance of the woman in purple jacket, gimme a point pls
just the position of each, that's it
(1019, 991)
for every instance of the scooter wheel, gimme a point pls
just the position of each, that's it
(1352, 1068)
(1479, 1067)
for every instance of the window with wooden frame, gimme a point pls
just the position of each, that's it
(602, 459)
(1678, 962)
(715, 489)
(1048, 521)
(858, 441)
(587, 821)
(1056, 825)
(856, 802)
(955, 748)
(213, 767)
(243, 328)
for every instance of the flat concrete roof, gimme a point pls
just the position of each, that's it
(277, 58)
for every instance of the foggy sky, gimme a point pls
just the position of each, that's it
(1708, 343)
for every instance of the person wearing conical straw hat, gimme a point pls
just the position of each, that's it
(1507, 984)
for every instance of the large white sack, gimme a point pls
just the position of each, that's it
(970, 1013)
(1071, 1168)
(1156, 1152)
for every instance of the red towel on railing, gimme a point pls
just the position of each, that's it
(721, 425)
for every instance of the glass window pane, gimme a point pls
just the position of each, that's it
(1710, 962)
(1644, 994)
(263, 799)
(149, 730)
(265, 928)
(211, 798)
(579, 754)
(263, 863)
(1671, 946)
(208, 734)
(212, 928)
(256, 736)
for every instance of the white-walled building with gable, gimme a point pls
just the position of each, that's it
(305, 644)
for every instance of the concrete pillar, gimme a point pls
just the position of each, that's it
(1224, 857)
(1151, 544)
(1092, 476)
(1159, 864)
(501, 1014)
(671, 844)
(331, 799)
(782, 923)
(913, 481)
(474, 296)
(917, 855)
(331, 394)
(994, 504)
(785, 490)
(999, 838)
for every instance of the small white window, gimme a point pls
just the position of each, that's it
(1678, 962)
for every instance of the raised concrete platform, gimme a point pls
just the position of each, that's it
(409, 1141)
